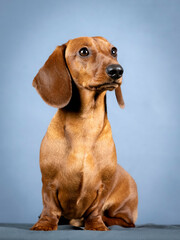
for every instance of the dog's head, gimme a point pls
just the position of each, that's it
(91, 62)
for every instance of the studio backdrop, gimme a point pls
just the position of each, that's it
(146, 132)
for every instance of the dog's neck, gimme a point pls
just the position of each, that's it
(91, 101)
(84, 117)
(84, 102)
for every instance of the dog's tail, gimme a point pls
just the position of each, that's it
(77, 222)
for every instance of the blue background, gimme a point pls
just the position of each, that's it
(146, 132)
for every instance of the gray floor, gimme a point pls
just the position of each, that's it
(148, 231)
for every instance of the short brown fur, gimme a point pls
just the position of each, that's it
(81, 179)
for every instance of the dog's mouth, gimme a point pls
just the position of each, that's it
(105, 86)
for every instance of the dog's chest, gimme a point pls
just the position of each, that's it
(79, 183)
(83, 131)
(80, 152)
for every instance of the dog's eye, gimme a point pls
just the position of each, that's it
(84, 52)
(114, 52)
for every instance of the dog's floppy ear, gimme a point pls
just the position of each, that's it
(53, 81)
(119, 97)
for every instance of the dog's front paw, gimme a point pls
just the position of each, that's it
(96, 227)
(44, 226)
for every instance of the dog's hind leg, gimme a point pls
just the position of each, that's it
(121, 206)
(121, 218)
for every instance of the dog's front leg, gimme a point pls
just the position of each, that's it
(51, 212)
(93, 216)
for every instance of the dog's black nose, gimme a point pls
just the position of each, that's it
(114, 71)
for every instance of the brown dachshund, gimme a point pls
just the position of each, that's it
(81, 179)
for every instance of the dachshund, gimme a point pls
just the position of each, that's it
(81, 180)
